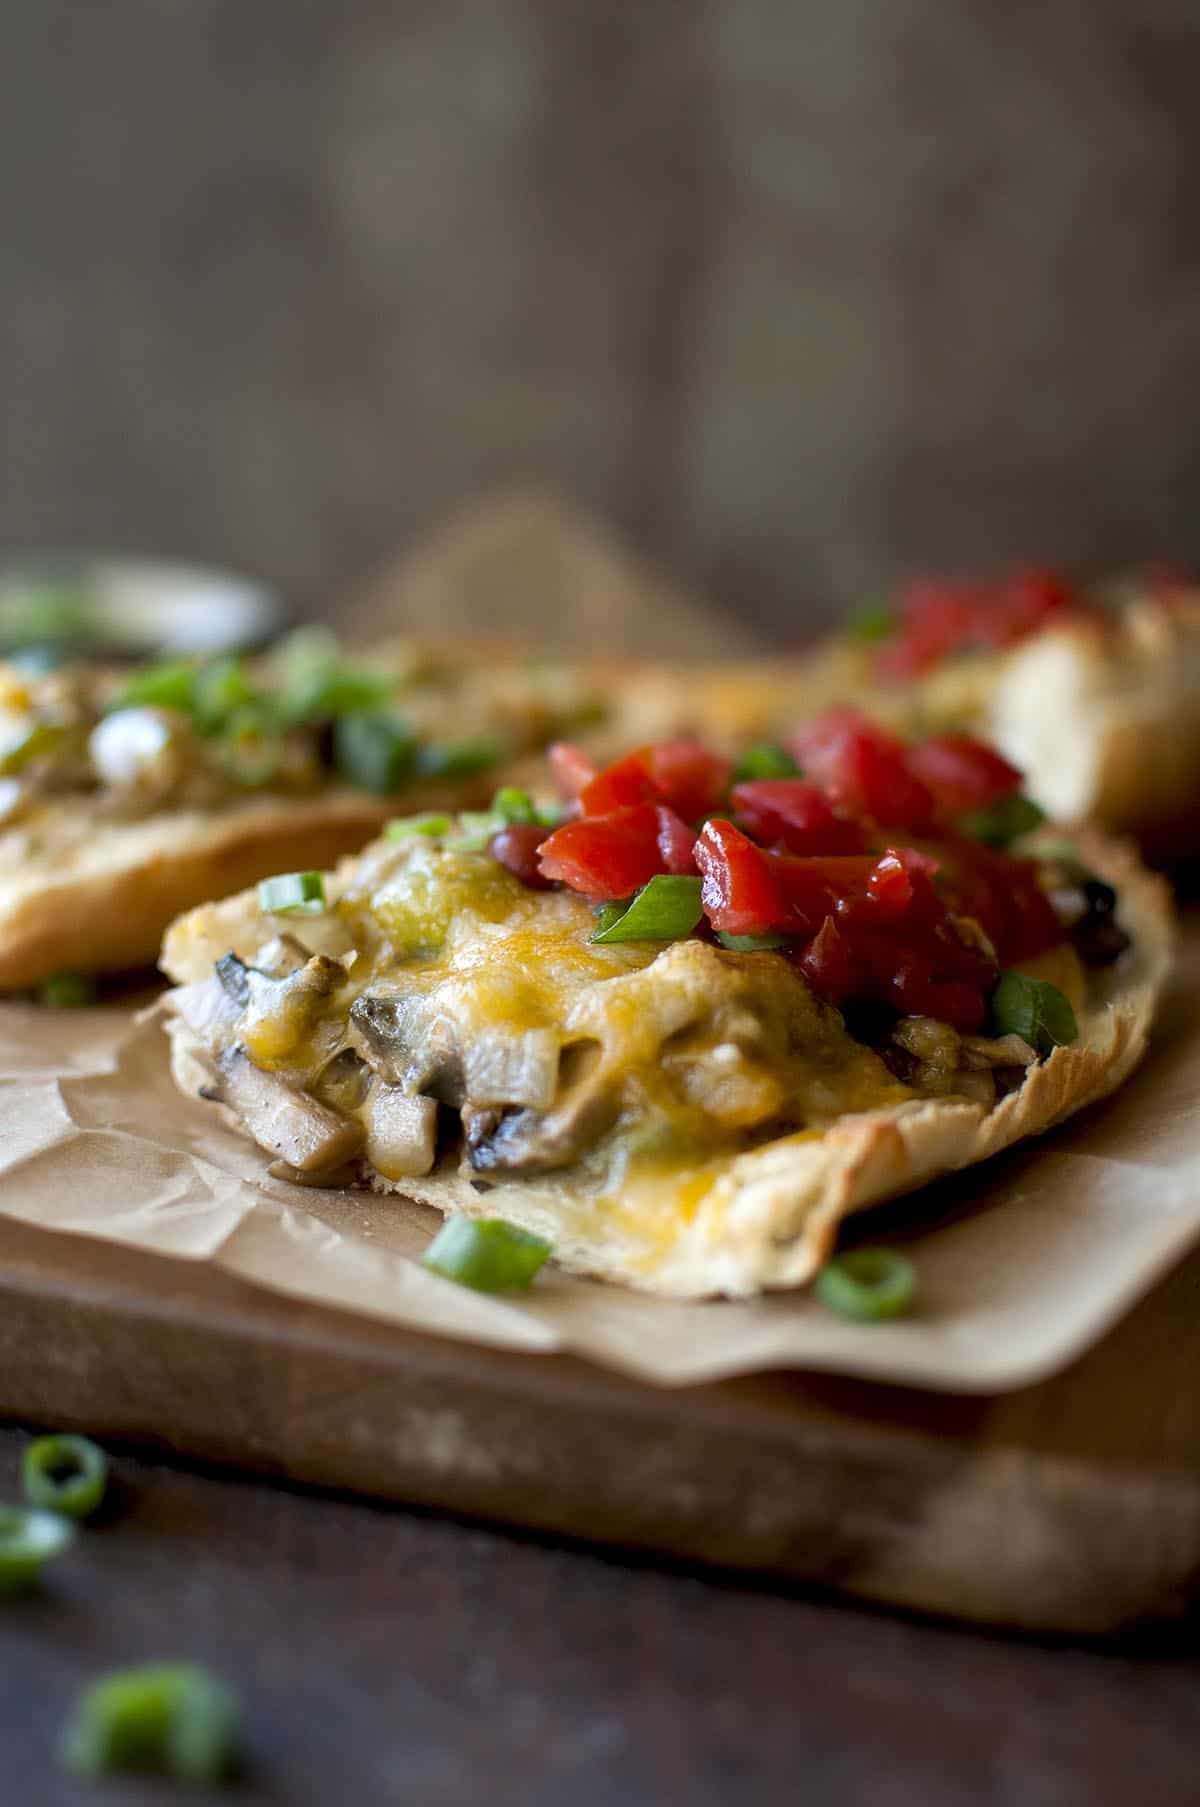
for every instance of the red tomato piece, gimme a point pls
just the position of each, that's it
(681, 773)
(962, 773)
(947, 618)
(516, 848)
(606, 857)
(675, 842)
(792, 813)
(619, 786)
(864, 770)
(740, 894)
(690, 777)
(899, 885)
(571, 767)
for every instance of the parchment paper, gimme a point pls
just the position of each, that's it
(1021, 1263)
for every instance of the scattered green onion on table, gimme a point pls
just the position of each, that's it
(29, 1539)
(174, 1719)
(65, 1474)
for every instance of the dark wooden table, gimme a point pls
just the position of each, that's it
(388, 1656)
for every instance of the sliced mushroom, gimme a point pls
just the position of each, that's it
(532, 1141)
(289, 1123)
(278, 1013)
(409, 1044)
(401, 1131)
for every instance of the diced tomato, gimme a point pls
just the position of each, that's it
(675, 842)
(690, 776)
(621, 785)
(962, 773)
(899, 885)
(1004, 897)
(816, 888)
(941, 619)
(605, 857)
(740, 894)
(864, 769)
(792, 813)
(681, 773)
(571, 767)
(516, 848)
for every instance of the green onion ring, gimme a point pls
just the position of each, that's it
(293, 894)
(172, 1718)
(667, 908)
(28, 1540)
(867, 1284)
(65, 1474)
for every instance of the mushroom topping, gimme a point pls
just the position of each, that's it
(535, 1141)
(277, 1014)
(935, 1059)
(289, 1123)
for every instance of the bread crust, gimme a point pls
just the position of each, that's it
(770, 1217)
(91, 896)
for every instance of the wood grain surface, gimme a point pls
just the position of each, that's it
(1071, 1506)
(385, 1657)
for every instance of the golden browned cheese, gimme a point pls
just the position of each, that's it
(692, 1051)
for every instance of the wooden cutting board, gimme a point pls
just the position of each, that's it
(1071, 1506)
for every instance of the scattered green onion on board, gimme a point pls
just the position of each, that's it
(293, 894)
(174, 1719)
(1003, 822)
(665, 909)
(66, 991)
(767, 760)
(750, 944)
(402, 828)
(486, 1254)
(1033, 1009)
(65, 1474)
(867, 1284)
(29, 1539)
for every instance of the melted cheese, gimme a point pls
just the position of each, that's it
(701, 1052)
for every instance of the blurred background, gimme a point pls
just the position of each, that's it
(804, 298)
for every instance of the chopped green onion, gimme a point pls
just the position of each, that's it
(252, 745)
(750, 944)
(374, 749)
(475, 828)
(1003, 822)
(607, 914)
(294, 894)
(171, 685)
(665, 909)
(27, 743)
(874, 623)
(515, 805)
(337, 691)
(1035, 1010)
(66, 991)
(172, 1718)
(765, 761)
(867, 1284)
(65, 1474)
(487, 1254)
(459, 758)
(28, 1540)
(403, 827)
(222, 688)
